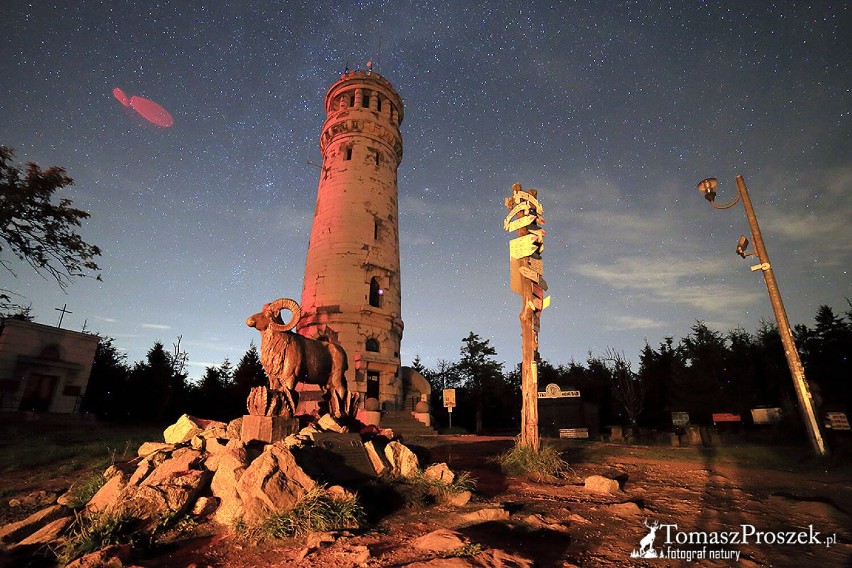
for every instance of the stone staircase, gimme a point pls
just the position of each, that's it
(404, 424)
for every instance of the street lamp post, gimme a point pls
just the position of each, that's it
(797, 371)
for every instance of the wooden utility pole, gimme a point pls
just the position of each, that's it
(526, 269)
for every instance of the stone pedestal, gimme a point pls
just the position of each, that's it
(369, 417)
(616, 434)
(267, 428)
(693, 436)
(423, 417)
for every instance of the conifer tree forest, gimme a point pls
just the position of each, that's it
(703, 373)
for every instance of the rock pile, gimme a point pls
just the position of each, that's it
(203, 468)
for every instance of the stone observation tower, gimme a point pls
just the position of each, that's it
(351, 292)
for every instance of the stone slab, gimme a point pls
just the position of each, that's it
(267, 429)
(342, 457)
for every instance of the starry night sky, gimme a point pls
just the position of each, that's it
(614, 111)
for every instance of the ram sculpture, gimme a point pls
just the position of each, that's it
(289, 358)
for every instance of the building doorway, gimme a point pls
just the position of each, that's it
(38, 392)
(373, 384)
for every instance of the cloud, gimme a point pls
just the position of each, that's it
(155, 326)
(106, 320)
(621, 323)
(692, 283)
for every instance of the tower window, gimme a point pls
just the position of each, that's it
(365, 99)
(372, 345)
(378, 157)
(352, 100)
(347, 153)
(378, 103)
(376, 226)
(375, 293)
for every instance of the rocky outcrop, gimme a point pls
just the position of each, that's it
(207, 470)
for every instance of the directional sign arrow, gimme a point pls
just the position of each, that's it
(525, 207)
(527, 273)
(524, 196)
(536, 265)
(523, 246)
(520, 222)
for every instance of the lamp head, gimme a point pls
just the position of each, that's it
(742, 245)
(708, 188)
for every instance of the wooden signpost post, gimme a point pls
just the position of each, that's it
(526, 268)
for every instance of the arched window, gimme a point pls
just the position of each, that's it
(375, 293)
(372, 345)
(51, 352)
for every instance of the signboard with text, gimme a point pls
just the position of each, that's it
(553, 390)
(449, 398)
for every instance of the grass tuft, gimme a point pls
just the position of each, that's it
(91, 532)
(82, 491)
(420, 490)
(522, 460)
(315, 511)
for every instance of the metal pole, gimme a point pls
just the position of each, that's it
(803, 393)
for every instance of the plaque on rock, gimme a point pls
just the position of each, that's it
(268, 429)
(341, 457)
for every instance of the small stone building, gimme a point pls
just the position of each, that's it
(43, 368)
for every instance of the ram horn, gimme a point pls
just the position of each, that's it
(284, 304)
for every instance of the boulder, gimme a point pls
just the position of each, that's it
(601, 484)
(123, 468)
(441, 540)
(377, 458)
(38, 498)
(231, 465)
(204, 506)
(458, 499)
(149, 448)
(15, 531)
(440, 472)
(108, 494)
(182, 460)
(538, 522)
(234, 429)
(628, 509)
(403, 461)
(328, 423)
(485, 515)
(167, 497)
(142, 470)
(183, 430)
(272, 483)
(109, 557)
(214, 446)
(496, 558)
(50, 533)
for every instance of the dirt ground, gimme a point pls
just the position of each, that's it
(708, 493)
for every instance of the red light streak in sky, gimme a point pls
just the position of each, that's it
(148, 109)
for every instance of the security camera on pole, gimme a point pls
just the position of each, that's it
(526, 268)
